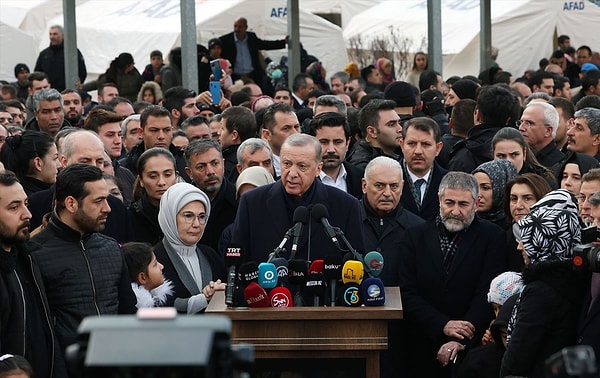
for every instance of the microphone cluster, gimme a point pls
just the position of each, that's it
(295, 282)
(332, 281)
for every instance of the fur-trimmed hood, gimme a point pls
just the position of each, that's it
(157, 297)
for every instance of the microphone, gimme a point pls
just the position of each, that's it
(233, 258)
(332, 270)
(372, 292)
(281, 297)
(256, 296)
(315, 288)
(267, 275)
(301, 217)
(297, 274)
(320, 213)
(350, 295)
(352, 272)
(248, 273)
(374, 261)
(281, 265)
(316, 267)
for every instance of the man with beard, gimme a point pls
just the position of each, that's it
(83, 270)
(333, 132)
(25, 327)
(72, 107)
(446, 266)
(181, 103)
(206, 168)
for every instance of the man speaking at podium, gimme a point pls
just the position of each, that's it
(265, 214)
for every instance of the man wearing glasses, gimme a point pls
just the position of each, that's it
(590, 184)
(538, 125)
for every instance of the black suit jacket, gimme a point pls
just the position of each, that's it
(255, 44)
(353, 180)
(589, 326)
(265, 214)
(222, 213)
(430, 207)
(431, 296)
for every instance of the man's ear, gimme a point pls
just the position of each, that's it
(266, 134)
(71, 204)
(371, 132)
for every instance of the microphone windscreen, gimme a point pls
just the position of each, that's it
(352, 271)
(233, 255)
(350, 295)
(281, 297)
(315, 285)
(281, 264)
(348, 256)
(319, 211)
(267, 275)
(316, 267)
(374, 261)
(301, 214)
(297, 272)
(256, 296)
(332, 267)
(372, 292)
(248, 272)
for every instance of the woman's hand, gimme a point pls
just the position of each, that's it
(209, 290)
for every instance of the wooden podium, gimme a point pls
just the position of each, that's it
(314, 332)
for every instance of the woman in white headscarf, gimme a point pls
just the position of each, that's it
(195, 270)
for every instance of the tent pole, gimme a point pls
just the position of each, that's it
(293, 18)
(434, 35)
(485, 36)
(189, 54)
(70, 44)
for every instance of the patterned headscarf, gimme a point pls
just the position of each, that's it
(500, 172)
(552, 228)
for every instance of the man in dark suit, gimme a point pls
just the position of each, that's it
(333, 132)
(445, 270)
(206, 167)
(266, 213)
(421, 143)
(242, 47)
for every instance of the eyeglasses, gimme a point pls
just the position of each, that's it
(581, 198)
(350, 89)
(527, 123)
(189, 217)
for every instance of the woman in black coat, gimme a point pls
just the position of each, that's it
(195, 270)
(546, 313)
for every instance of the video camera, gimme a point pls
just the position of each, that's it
(574, 361)
(586, 256)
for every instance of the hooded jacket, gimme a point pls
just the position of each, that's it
(468, 154)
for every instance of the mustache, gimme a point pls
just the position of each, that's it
(386, 199)
(330, 156)
(454, 217)
(26, 224)
(211, 177)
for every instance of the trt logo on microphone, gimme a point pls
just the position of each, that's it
(233, 252)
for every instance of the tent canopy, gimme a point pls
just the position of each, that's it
(17, 47)
(107, 28)
(523, 31)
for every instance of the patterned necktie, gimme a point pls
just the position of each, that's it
(418, 185)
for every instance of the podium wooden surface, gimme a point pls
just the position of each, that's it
(314, 332)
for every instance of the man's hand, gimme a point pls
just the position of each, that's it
(448, 352)
(459, 329)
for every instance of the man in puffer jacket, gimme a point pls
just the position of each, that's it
(83, 271)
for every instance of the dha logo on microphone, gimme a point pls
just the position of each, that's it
(280, 300)
(233, 252)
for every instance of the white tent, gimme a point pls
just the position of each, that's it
(107, 28)
(523, 30)
(17, 47)
(346, 8)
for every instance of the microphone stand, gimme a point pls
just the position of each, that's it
(340, 234)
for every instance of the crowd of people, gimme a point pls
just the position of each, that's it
(475, 190)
